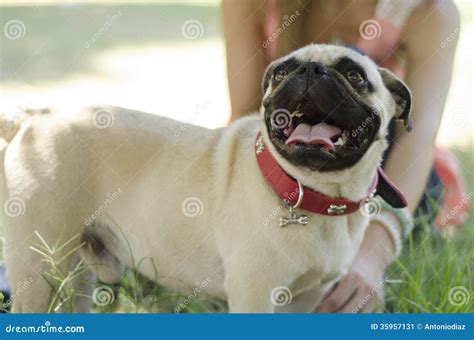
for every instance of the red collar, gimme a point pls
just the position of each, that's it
(286, 187)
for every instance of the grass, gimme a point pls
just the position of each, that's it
(432, 266)
(428, 270)
(60, 280)
(137, 294)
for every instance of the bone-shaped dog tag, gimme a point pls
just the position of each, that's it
(293, 218)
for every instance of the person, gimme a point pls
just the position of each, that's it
(404, 36)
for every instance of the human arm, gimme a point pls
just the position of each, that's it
(411, 159)
(246, 63)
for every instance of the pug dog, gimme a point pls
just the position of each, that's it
(104, 189)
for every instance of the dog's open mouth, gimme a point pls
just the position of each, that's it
(322, 134)
(303, 133)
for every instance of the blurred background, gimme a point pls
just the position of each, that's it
(164, 57)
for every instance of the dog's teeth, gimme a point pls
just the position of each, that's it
(341, 140)
(296, 114)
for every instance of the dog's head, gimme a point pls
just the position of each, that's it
(324, 106)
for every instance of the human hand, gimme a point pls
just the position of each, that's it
(362, 289)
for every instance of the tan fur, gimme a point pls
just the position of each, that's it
(63, 167)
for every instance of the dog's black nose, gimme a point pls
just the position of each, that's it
(311, 66)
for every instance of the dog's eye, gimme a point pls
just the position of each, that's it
(355, 77)
(280, 75)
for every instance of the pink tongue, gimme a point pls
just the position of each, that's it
(319, 134)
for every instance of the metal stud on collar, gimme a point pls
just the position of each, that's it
(337, 209)
(260, 146)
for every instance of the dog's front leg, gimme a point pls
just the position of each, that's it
(248, 294)
(257, 282)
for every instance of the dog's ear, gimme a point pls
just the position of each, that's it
(389, 191)
(401, 94)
